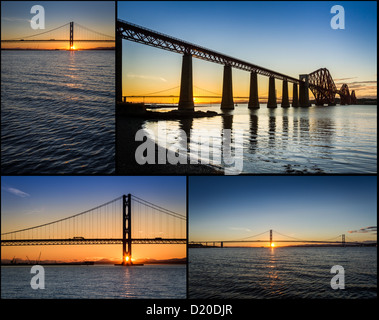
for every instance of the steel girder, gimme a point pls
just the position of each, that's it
(324, 90)
(345, 94)
(322, 86)
(135, 33)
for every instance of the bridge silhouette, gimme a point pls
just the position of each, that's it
(270, 240)
(320, 82)
(63, 33)
(108, 223)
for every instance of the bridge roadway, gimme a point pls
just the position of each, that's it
(37, 242)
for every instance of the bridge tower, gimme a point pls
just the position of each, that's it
(71, 35)
(126, 230)
(119, 65)
(270, 238)
(343, 240)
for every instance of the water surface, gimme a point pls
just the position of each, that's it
(97, 282)
(292, 272)
(57, 112)
(338, 139)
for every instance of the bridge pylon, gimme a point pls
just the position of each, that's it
(72, 35)
(126, 230)
(270, 238)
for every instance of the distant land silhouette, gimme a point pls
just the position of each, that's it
(23, 262)
(26, 49)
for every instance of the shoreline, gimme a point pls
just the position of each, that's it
(126, 128)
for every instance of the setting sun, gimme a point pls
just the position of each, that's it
(272, 245)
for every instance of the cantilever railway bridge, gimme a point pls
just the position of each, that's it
(320, 82)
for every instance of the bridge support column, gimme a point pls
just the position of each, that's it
(271, 103)
(227, 89)
(304, 91)
(119, 68)
(285, 101)
(295, 97)
(186, 86)
(253, 98)
(222, 244)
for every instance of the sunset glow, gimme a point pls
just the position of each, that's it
(147, 69)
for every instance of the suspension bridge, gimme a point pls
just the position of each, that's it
(337, 240)
(108, 223)
(70, 32)
(320, 82)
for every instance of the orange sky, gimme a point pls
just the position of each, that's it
(64, 45)
(93, 252)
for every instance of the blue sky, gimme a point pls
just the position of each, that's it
(98, 15)
(312, 208)
(289, 37)
(28, 201)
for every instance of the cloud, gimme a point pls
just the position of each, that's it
(341, 79)
(16, 192)
(240, 229)
(15, 19)
(364, 230)
(141, 76)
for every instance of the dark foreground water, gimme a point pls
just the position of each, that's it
(97, 282)
(256, 273)
(57, 112)
(339, 139)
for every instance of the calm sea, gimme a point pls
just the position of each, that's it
(57, 112)
(339, 139)
(291, 272)
(95, 282)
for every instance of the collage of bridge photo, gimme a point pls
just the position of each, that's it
(222, 152)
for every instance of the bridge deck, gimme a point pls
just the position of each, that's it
(132, 32)
(36, 242)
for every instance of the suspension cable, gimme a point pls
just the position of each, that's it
(70, 217)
